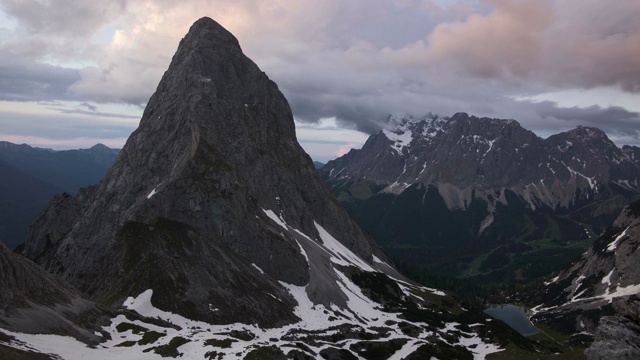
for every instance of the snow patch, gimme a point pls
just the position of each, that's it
(275, 218)
(400, 138)
(591, 180)
(153, 192)
(341, 254)
(547, 283)
(258, 268)
(614, 244)
(606, 280)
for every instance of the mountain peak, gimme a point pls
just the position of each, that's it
(587, 131)
(100, 146)
(460, 116)
(595, 137)
(209, 68)
(208, 31)
(213, 162)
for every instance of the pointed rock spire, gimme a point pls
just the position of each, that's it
(185, 210)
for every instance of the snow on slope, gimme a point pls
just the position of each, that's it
(402, 128)
(360, 321)
(400, 138)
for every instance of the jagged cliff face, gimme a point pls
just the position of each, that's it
(618, 336)
(467, 189)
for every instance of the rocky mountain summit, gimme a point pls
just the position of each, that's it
(475, 188)
(196, 180)
(213, 236)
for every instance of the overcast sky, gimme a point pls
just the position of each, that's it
(74, 73)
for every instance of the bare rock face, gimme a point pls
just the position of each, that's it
(56, 221)
(184, 208)
(618, 337)
(34, 301)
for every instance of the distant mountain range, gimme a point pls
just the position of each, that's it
(30, 177)
(484, 198)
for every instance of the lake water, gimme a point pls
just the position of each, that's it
(514, 316)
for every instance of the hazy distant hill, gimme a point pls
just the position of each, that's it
(68, 170)
(31, 176)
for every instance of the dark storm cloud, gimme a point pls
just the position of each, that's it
(310, 107)
(613, 120)
(35, 82)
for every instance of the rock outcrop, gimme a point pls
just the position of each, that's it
(618, 337)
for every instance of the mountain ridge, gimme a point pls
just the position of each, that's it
(461, 134)
(486, 187)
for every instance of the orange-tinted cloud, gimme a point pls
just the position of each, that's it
(507, 41)
(343, 150)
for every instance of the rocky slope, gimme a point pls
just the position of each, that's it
(33, 301)
(463, 194)
(576, 298)
(596, 298)
(215, 238)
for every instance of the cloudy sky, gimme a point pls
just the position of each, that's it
(74, 73)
